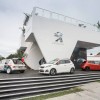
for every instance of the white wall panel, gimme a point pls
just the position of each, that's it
(44, 29)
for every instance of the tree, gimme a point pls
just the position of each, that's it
(1, 58)
(12, 56)
(98, 25)
(18, 54)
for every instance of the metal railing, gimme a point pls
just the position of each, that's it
(53, 15)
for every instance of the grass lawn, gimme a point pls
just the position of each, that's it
(55, 94)
(98, 81)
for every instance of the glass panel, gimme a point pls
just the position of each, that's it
(92, 62)
(17, 61)
(97, 62)
(67, 61)
(62, 62)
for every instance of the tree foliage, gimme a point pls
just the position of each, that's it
(1, 58)
(98, 25)
(18, 54)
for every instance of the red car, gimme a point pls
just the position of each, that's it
(90, 65)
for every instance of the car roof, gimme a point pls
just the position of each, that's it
(15, 58)
(12, 59)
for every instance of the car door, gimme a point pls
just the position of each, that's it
(97, 66)
(69, 65)
(60, 66)
(91, 65)
(2, 65)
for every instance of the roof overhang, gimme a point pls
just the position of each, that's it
(87, 45)
(22, 48)
(31, 38)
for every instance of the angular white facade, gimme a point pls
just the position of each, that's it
(51, 35)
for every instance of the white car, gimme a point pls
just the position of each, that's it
(10, 65)
(57, 66)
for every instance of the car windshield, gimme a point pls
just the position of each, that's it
(53, 61)
(17, 61)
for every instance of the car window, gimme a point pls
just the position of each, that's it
(64, 61)
(67, 61)
(17, 61)
(7, 61)
(53, 61)
(92, 62)
(61, 62)
(3, 61)
(97, 62)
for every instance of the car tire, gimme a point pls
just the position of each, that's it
(21, 71)
(87, 68)
(82, 69)
(72, 70)
(8, 70)
(53, 72)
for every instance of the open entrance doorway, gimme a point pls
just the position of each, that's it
(42, 61)
(80, 52)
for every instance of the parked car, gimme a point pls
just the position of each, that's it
(57, 66)
(10, 65)
(90, 65)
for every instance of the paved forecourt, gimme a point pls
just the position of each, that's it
(91, 92)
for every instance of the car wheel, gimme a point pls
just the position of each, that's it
(53, 72)
(87, 68)
(22, 71)
(82, 69)
(8, 70)
(72, 71)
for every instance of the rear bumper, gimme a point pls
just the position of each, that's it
(15, 69)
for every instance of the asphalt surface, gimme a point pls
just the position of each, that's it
(32, 73)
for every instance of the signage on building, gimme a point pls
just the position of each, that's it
(58, 38)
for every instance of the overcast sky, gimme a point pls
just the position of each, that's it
(12, 17)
